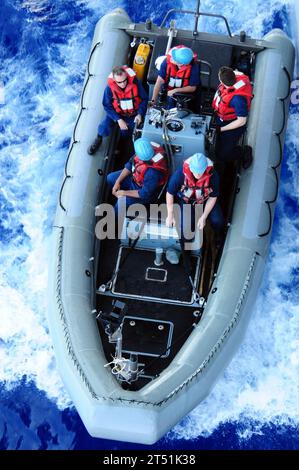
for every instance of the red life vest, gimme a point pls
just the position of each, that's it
(224, 95)
(178, 77)
(196, 189)
(158, 162)
(125, 101)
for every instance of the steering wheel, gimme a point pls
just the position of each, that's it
(183, 99)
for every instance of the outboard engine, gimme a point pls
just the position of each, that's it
(125, 369)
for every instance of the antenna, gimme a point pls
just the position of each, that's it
(197, 15)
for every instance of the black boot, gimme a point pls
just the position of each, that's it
(247, 157)
(95, 145)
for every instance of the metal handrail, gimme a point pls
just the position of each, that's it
(197, 15)
(206, 72)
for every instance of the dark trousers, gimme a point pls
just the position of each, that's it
(106, 126)
(187, 219)
(127, 184)
(227, 141)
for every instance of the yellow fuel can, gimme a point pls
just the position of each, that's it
(141, 60)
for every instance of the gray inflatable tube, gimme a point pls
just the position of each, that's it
(105, 408)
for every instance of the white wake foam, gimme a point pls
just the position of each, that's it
(260, 386)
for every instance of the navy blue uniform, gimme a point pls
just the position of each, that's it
(229, 139)
(216, 217)
(177, 180)
(106, 125)
(194, 79)
(147, 193)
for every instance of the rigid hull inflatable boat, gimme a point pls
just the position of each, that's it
(139, 346)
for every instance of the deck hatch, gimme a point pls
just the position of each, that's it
(156, 274)
(145, 336)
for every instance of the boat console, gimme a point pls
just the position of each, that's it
(186, 131)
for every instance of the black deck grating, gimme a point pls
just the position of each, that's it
(139, 276)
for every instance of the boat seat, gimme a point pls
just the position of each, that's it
(215, 55)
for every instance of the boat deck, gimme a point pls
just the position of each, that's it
(157, 305)
(148, 330)
(140, 278)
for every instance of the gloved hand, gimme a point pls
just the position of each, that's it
(138, 119)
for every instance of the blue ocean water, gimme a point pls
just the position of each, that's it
(44, 50)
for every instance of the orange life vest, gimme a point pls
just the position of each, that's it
(196, 189)
(178, 77)
(158, 162)
(224, 95)
(125, 101)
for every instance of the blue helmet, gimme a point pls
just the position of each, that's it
(182, 55)
(144, 149)
(198, 163)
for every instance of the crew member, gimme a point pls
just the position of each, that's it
(232, 104)
(143, 176)
(195, 182)
(125, 102)
(178, 73)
